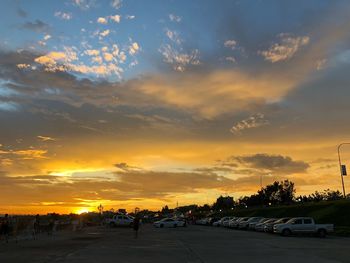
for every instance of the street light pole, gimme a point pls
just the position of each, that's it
(340, 167)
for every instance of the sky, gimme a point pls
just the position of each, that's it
(152, 103)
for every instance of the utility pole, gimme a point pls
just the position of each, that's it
(342, 167)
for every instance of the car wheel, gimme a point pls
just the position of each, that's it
(161, 226)
(112, 224)
(175, 225)
(321, 233)
(286, 232)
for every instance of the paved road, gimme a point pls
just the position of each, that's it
(191, 244)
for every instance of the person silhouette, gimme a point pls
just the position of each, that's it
(136, 225)
(50, 227)
(5, 229)
(36, 226)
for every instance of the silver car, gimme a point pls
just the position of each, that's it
(252, 225)
(245, 223)
(234, 223)
(260, 226)
(268, 227)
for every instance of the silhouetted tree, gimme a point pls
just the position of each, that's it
(331, 195)
(276, 193)
(326, 195)
(223, 203)
(286, 192)
(205, 208)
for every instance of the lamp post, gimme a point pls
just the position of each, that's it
(340, 167)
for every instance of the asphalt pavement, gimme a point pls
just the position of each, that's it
(190, 244)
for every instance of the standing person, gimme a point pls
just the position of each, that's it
(36, 226)
(135, 225)
(50, 227)
(6, 227)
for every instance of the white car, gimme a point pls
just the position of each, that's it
(120, 220)
(222, 221)
(268, 227)
(260, 227)
(244, 224)
(203, 221)
(235, 222)
(226, 222)
(252, 225)
(303, 225)
(169, 222)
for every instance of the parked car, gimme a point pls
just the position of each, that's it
(252, 225)
(226, 223)
(260, 226)
(268, 227)
(221, 221)
(120, 220)
(245, 223)
(202, 221)
(235, 223)
(303, 225)
(169, 222)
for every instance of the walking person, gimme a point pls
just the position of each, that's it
(136, 225)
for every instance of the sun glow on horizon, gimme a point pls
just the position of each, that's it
(81, 210)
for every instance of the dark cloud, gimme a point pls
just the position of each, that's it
(127, 185)
(126, 167)
(215, 169)
(173, 182)
(274, 163)
(36, 26)
(21, 12)
(50, 101)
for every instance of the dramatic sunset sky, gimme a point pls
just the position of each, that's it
(148, 103)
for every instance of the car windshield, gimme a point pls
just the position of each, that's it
(263, 220)
(291, 220)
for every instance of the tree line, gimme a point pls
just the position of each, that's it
(277, 193)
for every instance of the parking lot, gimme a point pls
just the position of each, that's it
(190, 244)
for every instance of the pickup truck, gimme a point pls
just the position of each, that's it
(119, 220)
(303, 225)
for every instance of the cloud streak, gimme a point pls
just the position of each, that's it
(36, 26)
(272, 163)
(284, 49)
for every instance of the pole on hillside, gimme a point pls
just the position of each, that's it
(342, 168)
